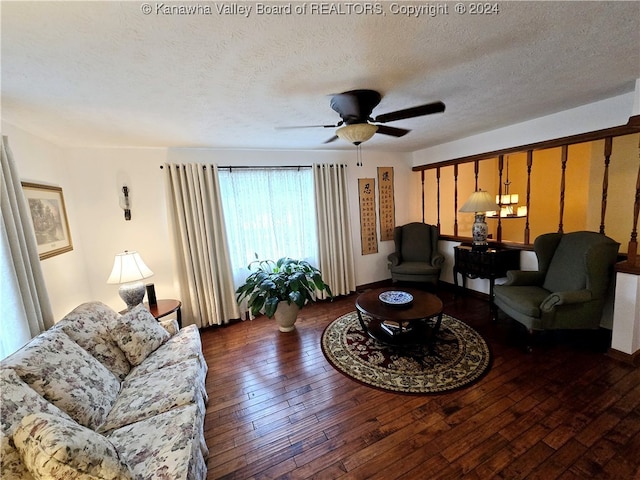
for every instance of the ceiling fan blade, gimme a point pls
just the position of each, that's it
(332, 139)
(306, 126)
(393, 131)
(428, 109)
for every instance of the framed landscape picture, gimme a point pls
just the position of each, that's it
(49, 217)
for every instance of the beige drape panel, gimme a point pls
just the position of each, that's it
(334, 228)
(202, 252)
(26, 310)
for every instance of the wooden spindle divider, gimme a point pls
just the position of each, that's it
(565, 157)
(632, 127)
(476, 171)
(605, 181)
(438, 184)
(500, 168)
(422, 181)
(632, 250)
(455, 199)
(527, 231)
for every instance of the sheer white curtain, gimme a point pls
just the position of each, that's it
(25, 306)
(334, 228)
(269, 212)
(200, 241)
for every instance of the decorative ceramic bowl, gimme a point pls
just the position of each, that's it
(396, 298)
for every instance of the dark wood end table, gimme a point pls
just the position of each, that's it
(414, 321)
(164, 307)
(490, 263)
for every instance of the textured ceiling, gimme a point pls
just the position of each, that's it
(92, 73)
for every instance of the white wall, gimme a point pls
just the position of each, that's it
(96, 177)
(39, 161)
(92, 180)
(626, 318)
(608, 113)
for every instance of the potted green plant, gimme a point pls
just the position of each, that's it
(281, 288)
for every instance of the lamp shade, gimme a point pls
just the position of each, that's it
(508, 199)
(479, 201)
(128, 267)
(357, 133)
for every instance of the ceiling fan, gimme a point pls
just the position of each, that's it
(357, 125)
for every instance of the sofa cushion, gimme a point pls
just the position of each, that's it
(148, 395)
(57, 448)
(416, 268)
(11, 466)
(89, 325)
(18, 401)
(184, 345)
(66, 375)
(170, 325)
(138, 334)
(168, 445)
(523, 299)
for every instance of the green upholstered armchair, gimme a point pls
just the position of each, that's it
(416, 258)
(569, 289)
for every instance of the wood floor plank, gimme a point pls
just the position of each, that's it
(278, 409)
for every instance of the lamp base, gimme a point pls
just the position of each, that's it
(480, 231)
(132, 293)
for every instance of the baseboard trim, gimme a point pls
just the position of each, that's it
(630, 359)
(463, 291)
(371, 286)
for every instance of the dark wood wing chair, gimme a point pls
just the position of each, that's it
(416, 258)
(569, 289)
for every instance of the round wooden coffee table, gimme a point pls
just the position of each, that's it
(406, 324)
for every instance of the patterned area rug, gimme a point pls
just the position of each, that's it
(461, 357)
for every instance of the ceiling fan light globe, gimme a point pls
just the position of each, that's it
(357, 133)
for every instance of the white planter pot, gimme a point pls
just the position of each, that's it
(286, 315)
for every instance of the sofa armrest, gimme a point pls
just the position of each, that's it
(394, 259)
(524, 277)
(565, 298)
(170, 325)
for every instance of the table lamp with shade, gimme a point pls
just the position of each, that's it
(479, 203)
(129, 270)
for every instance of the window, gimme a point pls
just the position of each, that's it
(268, 212)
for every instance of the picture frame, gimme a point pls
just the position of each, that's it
(49, 219)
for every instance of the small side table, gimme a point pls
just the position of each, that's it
(166, 307)
(491, 263)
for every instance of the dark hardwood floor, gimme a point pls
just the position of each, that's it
(278, 409)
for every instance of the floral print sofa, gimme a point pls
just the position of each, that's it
(105, 396)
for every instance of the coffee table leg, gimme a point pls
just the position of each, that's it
(362, 324)
(434, 332)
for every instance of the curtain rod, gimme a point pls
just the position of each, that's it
(248, 167)
(270, 167)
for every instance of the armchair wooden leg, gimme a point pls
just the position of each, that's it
(528, 347)
(494, 312)
(537, 338)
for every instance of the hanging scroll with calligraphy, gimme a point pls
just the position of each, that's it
(387, 203)
(369, 239)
